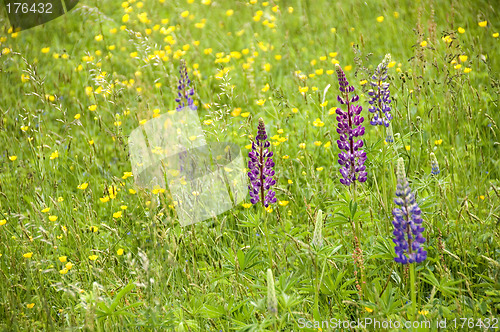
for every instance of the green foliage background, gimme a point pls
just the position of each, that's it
(211, 275)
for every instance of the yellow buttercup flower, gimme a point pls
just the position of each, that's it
(117, 214)
(3, 222)
(119, 252)
(93, 257)
(83, 186)
(54, 155)
(380, 19)
(52, 218)
(63, 259)
(423, 43)
(483, 24)
(28, 255)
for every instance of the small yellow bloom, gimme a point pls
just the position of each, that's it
(12, 158)
(423, 312)
(467, 70)
(461, 30)
(380, 19)
(94, 229)
(30, 305)
(63, 271)
(302, 145)
(45, 50)
(481, 197)
(368, 309)
(93, 257)
(438, 142)
(125, 18)
(483, 24)
(28, 255)
(63, 259)
(319, 169)
(3, 222)
(318, 123)
(260, 102)
(267, 67)
(462, 58)
(303, 89)
(68, 265)
(132, 191)
(99, 37)
(290, 181)
(229, 12)
(52, 218)
(54, 155)
(391, 64)
(407, 147)
(119, 252)
(246, 205)
(348, 67)
(495, 35)
(269, 209)
(83, 186)
(423, 43)
(318, 143)
(283, 203)
(77, 116)
(92, 108)
(363, 82)
(286, 157)
(327, 144)
(117, 214)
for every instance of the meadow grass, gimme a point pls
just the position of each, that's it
(72, 90)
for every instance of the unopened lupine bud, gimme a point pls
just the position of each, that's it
(318, 230)
(272, 301)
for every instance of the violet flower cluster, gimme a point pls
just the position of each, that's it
(352, 158)
(184, 93)
(261, 169)
(407, 222)
(380, 95)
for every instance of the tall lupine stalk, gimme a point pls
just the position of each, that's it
(184, 92)
(408, 229)
(380, 108)
(261, 177)
(352, 159)
(380, 95)
(261, 169)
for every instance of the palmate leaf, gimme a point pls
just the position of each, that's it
(445, 285)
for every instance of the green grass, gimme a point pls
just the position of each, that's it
(211, 276)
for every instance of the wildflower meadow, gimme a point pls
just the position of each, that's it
(249, 165)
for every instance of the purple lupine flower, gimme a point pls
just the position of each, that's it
(261, 169)
(184, 93)
(349, 127)
(380, 95)
(407, 222)
(434, 164)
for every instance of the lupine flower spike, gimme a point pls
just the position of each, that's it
(349, 127)
(380, 95)
(261, 169)
(434, 164)
(407, 222)
(184, 93)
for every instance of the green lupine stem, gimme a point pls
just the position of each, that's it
(413, 314)
(268, 241)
